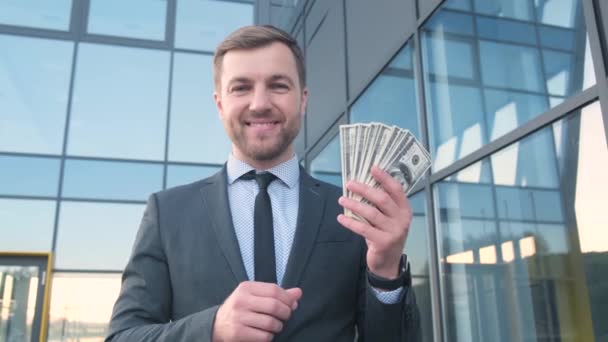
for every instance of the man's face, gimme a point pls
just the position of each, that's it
(261, 103)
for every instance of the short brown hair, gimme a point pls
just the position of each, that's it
(257, 36)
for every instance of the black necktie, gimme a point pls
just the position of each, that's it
(263, 243)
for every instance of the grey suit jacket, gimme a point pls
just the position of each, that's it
(186, 261)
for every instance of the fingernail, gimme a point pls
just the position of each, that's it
(294, 305)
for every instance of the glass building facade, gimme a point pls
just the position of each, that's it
(508, 242)
(103, 102)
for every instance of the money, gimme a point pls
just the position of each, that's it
(393, 149)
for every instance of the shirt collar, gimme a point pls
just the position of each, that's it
(288, 172)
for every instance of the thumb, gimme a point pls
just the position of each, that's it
(295, 293)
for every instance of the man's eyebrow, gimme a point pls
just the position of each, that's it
(239, 80)
(281, 77)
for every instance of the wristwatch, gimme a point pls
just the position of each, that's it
(404, 278)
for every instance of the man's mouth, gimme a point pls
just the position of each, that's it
(261, 124)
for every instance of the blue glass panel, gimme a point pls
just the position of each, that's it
(29, 176)
(196, 132)
(529, 251)
(451, 22)
(417, 247)
(53, 15)
(115, 18)
(557, 38)
(451, 58)
(516, 9)
(391, 98)
(520, 80)
(203, 24)
(111, 180)
(327, 166)
(96, 236)
(520, 66)
(26, 225)
(184, 174)
(464, 5)
(506, 30)
(120, 103)
(33, 93)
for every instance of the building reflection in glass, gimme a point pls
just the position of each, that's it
(524, 240)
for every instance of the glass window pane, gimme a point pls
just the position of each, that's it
(120, 103)
(202, 24)
(481, 85)
(81, 306)
(417, 246)
(115, 18)
(391, 98)
(27, 225)
(184, 174)
(111, 180)
(87, 230)
(422, 289)
(33, 93)
(533, 242)
(327, 166)
(53, 15)
(196, 132)
(28, 176)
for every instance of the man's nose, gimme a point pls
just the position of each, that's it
(260, 102)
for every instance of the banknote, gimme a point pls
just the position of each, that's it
(393, 149)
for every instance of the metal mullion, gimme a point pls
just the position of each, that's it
(170, 22)
(64, 147)
(437, 302)
(421, 21)
(29, 197)
(88, 271)
(554, 114)
(206, 53)
(597, 56)
(35, 32)
(118, 160)
(101, 200)
(168, 122)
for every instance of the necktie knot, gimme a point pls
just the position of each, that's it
(263, 179)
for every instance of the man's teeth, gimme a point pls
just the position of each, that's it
(261, 123)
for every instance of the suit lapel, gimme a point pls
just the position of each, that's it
(310, 213)
(216, 205)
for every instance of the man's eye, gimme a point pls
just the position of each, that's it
(280, 86)
(239, 88)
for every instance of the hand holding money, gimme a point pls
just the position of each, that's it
(380, 165)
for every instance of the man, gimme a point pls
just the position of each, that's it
(201, 270)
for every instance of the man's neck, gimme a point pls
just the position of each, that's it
(264, 164)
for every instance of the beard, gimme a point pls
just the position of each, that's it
(265, 147)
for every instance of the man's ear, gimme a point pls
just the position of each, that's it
(304, 102)
(217, 98)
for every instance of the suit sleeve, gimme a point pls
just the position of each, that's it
(377, 321)
(143, 309)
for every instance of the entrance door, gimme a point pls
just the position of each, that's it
(23, 292)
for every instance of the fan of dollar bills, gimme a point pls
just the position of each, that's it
(393, 149)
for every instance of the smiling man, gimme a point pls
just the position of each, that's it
(260, 251)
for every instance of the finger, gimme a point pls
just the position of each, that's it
(383, 201)
(250, 334)
(262, 322)
(270, 290)
(296, 294)
(371, 214)
(270, 306)
(366, 231)
(390, 185)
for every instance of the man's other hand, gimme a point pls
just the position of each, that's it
(255, 311)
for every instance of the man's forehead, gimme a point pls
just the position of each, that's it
(275, 58)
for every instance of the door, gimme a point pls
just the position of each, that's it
(24, 279)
